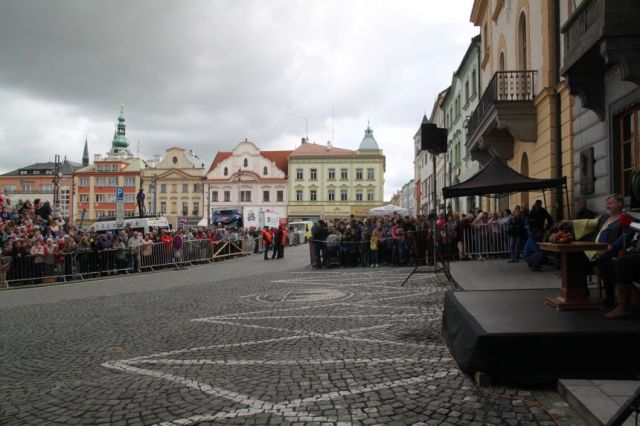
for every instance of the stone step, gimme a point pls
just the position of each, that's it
(598, 400)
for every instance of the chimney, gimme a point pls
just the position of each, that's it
(328, 145)
(304, 140)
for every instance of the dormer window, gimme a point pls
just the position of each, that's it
(264, 170)
(246, 163)
(175, 160)
(226, 171)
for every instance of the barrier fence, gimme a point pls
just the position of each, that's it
(51, 268)
(485, 239)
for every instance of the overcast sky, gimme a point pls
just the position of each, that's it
(207, 74)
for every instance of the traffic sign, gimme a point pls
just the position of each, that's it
(119, 193)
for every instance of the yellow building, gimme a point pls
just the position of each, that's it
(524, 113)
(327, 182)
(174, 187)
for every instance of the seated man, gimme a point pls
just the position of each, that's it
(608, 230)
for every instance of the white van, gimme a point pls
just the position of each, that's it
(142, 224)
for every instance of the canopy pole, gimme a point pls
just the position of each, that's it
(544, 199)
(566, 193)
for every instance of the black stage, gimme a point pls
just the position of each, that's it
(514, 337)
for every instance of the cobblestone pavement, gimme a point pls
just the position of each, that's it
(297, 346)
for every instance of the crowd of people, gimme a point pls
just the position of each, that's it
(397, 240)
(37, 244)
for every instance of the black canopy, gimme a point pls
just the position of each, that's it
(498, 178)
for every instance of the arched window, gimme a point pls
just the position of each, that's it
(246, 162)
(226, 171)
(264, 170)
(501, 65)
(522, 42)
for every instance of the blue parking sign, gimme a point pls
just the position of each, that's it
(119, 193)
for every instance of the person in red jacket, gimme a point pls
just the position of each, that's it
(283, 242)
(266, 242)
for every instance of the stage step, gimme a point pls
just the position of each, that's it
(598, 400)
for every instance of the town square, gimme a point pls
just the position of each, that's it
(330, 213)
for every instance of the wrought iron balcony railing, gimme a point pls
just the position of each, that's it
(505, 86)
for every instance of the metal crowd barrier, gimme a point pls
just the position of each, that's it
(485, 239)
(47, 269)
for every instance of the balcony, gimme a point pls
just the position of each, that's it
(599, 34)
(505, 112)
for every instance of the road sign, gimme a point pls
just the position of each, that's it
(119, 193)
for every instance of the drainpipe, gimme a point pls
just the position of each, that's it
(559, 200)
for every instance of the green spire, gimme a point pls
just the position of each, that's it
(120, 143)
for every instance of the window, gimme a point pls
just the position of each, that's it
(474, 82)
(174, 188)
(370, 174)
(370, 196)
(466, 91)
(197, 188)
(185, 188)
(185, 208)
(84, 198)
(129, 181)
(245, 163)
(245, 196)
(48, 172)
(84, 181)
(99, 214)
(35, 172)
(629, 146)
(101, 181)
(114, 168)
(280, 196)
(227, 196)
(163, 188)
(226, 171)
(313, 195)
(23, 172)
(100, 198)
(358, 174)
(314, 174)
(332, 174)
(214, 196)
(344, 175)
(174, 207)
(113, 181)
(163, 206)
(298, 195)
(331, 195)
(265, 196)
(265, 170)
(358, 195)
(196, 208)
(128, 198)
(299, 174)
(343, 195)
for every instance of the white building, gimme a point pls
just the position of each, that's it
(248, 179)
(408, 197)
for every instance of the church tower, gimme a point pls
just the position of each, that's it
(120, 144)
(85, 153)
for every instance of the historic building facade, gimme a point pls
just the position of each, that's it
(248, 179)
(601, 63)
(330, 182)
(459, 102)
(37, 181)
(95, 185)
(524, 111)
(174, 187)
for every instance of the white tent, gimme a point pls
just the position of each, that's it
(203, 222)
(388, 210)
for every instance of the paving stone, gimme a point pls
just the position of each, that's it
(209, 346)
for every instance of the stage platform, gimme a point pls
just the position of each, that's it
(514, 337)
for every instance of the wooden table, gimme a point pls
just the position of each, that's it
(574, 277)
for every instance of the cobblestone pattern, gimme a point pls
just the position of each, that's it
(343, 347)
